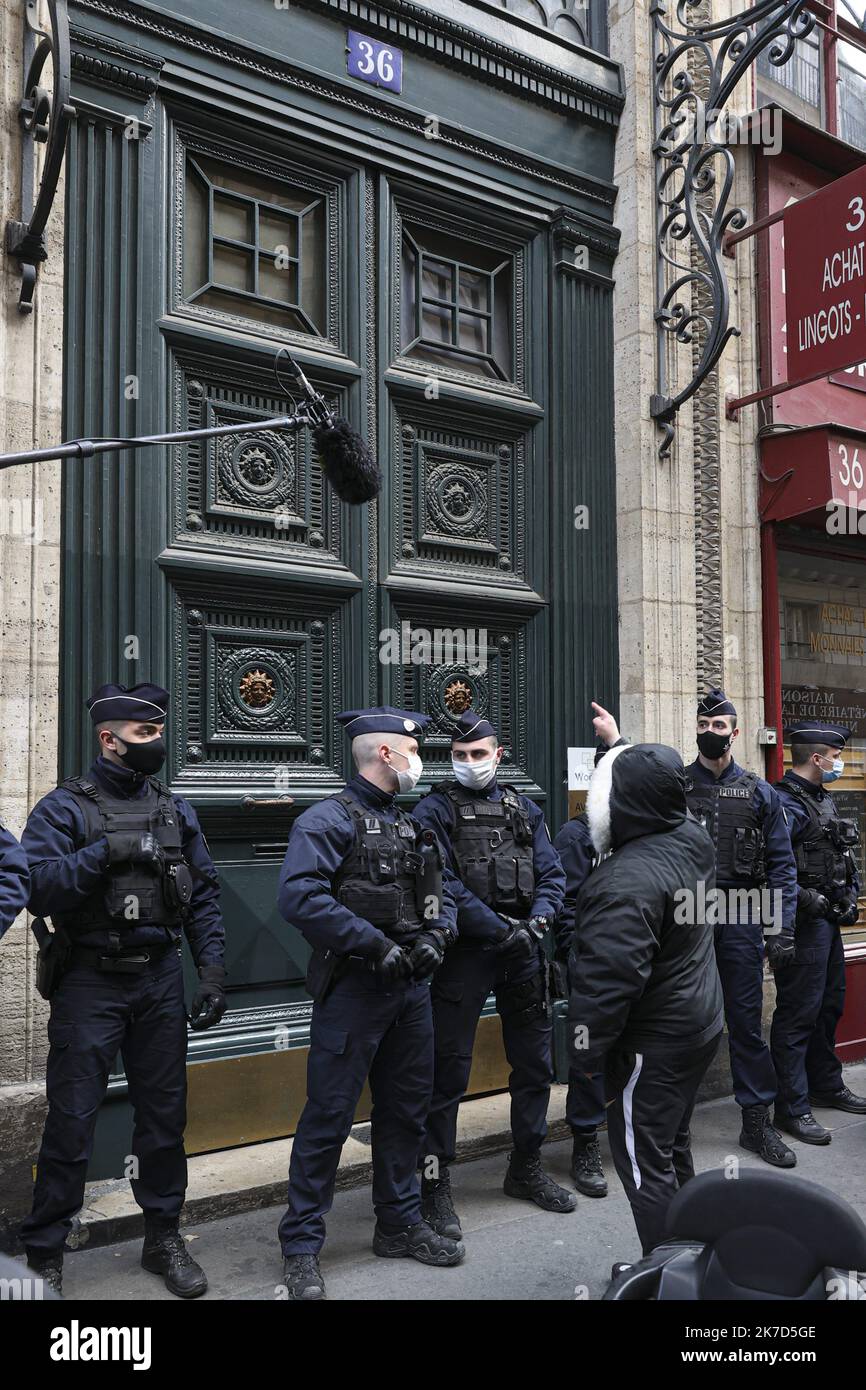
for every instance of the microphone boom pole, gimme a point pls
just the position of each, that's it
(346, 460)
(87, 448)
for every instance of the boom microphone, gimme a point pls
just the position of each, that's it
(346, 461)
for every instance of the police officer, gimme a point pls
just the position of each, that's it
(745, 819)
(511, 887)
(365, 887)
(123, 870)
(585, 1099)
(810, 993)
(14, 879)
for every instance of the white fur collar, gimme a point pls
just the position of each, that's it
(598, 800)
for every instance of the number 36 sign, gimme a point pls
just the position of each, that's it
(374, 62)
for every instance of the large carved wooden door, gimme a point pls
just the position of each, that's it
(451, 297)
(414, 316)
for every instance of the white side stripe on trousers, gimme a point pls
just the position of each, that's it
(627, 1095)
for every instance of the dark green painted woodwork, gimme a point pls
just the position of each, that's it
(253, 594)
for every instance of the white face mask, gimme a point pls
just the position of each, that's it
(475, 774)
(406, 780)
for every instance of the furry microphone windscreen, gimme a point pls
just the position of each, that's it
(347, 463)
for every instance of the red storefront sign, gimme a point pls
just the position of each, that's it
(782, 181)
(825, 279)
(816, 475)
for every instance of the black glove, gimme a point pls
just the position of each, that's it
(780, 951)
(427, 953)
(812, 903)
(846, 913)
(391, 962)
(519, 939)
(209, 1003)
(134, 847)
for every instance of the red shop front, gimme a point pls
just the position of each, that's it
(812, 462)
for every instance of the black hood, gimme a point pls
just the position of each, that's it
(636, 789)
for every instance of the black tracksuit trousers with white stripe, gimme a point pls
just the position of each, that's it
(653, 1095)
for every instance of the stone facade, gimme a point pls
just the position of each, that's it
(689, 540)
(31, 357)
(688, 533)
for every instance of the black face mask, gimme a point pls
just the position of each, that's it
(144, 757)
(714, 745)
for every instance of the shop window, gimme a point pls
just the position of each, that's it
(801, 620)
(254, 246)
(456, 305)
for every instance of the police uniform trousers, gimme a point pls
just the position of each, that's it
(810, 998)
(95, 1015)
(584, 1099)
(653, 1095)
(740, 959)
(362, 1030)
(460, 988)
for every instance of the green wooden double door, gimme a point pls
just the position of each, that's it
(456, 308)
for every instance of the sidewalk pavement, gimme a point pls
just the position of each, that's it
(514, 1250)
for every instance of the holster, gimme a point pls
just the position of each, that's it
(54, 958)
(321, 974)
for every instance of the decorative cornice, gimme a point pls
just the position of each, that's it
(104, 62)
(443, 39)
(451, 42)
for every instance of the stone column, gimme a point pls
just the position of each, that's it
(30, 417)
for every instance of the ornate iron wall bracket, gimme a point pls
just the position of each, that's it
(45, 118)
(698, 64)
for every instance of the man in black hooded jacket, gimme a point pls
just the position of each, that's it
(646, 1002)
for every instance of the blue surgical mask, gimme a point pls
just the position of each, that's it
(835, 773)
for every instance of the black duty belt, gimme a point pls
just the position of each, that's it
(123, 962)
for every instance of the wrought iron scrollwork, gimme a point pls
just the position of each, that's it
(45, 118)
(698, 64)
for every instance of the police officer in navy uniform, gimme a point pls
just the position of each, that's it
(511, 887)
(745, 819)
(585, 1098)
(810, 993)
(122, 869)
(365, 886)
(14, 879)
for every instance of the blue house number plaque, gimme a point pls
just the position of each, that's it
(374, 62)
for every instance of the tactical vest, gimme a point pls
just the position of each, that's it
(133, 894)
(823, 855)
(492, 846)
(392, 876)
(729, 813)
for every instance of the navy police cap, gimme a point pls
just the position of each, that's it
(383, 719)
(816, 731)
(145, 703)
(470, 727)
(715, 702)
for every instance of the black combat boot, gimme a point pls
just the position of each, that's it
(526, 1178)
(48, 1265)
(419, 1242)
(303, 1278)
(437, 1207)
(843, 1099)
(803, 1127)
(164, 1252)
(586, 1168)
(759, 1137)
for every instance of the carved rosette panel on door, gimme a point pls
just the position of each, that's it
(262, 676)
(251, 491)
(460, 496)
